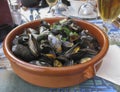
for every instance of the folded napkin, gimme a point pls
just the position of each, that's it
(110, 68)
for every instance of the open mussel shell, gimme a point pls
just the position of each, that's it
(83, 53)
(33, 45)
(44, 60)
(42, 37)
(45, 47)
(47, 59)
(23, 52)
(67, 44)
(61, 61)
(88, 41)
(57, 63)
(23, 39)
(74, 49)
(55, 43)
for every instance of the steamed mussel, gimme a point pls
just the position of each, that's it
(63, 43)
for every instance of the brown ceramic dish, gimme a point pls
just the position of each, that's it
(52, 76)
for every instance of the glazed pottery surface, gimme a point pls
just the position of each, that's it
(52, 76)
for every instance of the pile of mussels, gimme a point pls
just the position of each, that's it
(63, 43)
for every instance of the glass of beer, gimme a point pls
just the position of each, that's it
(51, 3)
(109, 10)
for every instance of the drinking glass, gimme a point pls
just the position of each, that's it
(60, 7)
(51, 3)
(87, 8)
(109, 10)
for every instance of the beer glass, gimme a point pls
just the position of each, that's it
(109, 10)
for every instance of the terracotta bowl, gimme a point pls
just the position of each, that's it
(52, 76)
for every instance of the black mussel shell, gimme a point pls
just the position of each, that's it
(33, 46)
(23, 52)
(62, 59)
(77, 56)
(45, 24)
(45, 58)
(23, 39)
(42, 37)
(55, 31)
